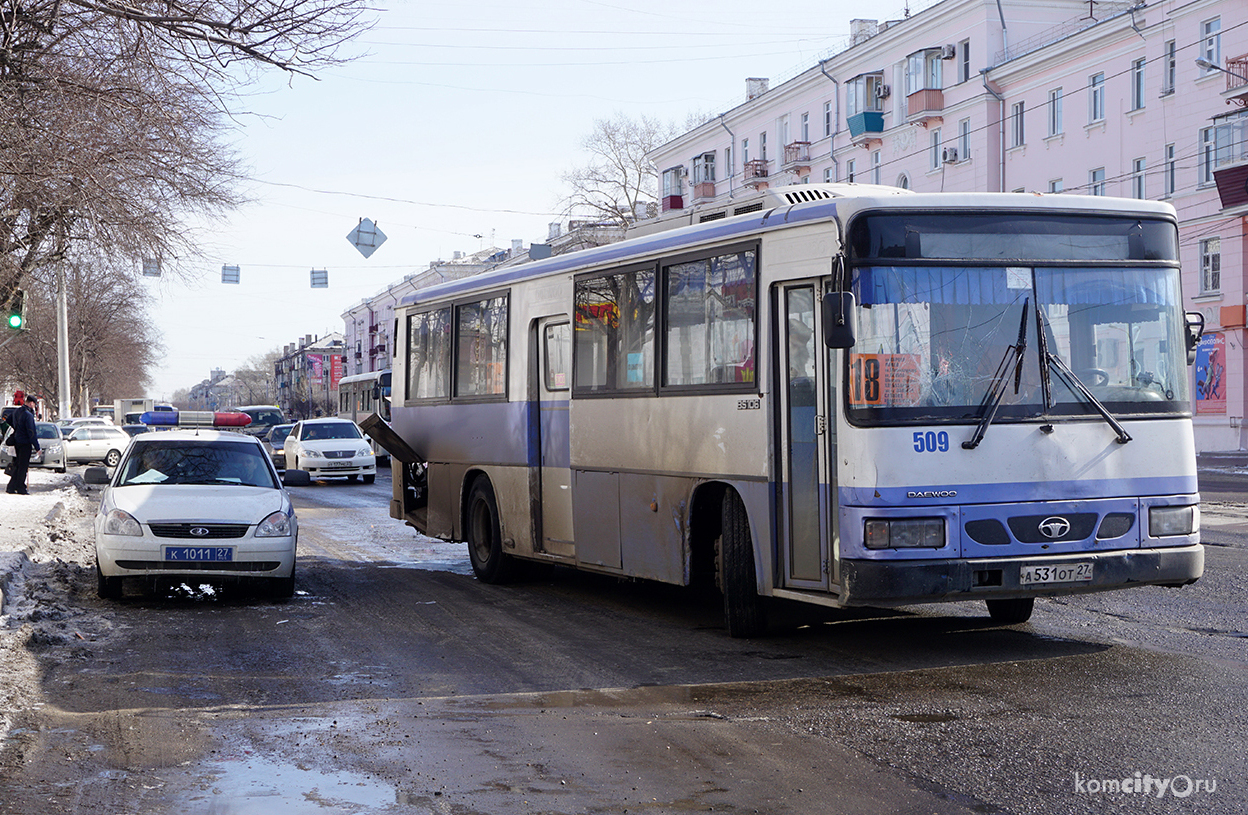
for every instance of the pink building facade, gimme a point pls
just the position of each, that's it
(1142, 100)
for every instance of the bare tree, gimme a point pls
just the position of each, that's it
(617, 176)
(255, 382)
(114, 114)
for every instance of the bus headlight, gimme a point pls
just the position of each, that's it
(905, 533)
(1167, 521)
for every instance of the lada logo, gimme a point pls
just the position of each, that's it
(1054, 527)
(199, 531)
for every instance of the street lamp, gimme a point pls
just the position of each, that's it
(1206, 65)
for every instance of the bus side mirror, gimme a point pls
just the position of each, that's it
(376, 393)
(1195, 328)
(839, 316)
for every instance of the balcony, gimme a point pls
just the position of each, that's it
(703, 189)
(1232, 181)
(673, 202)
(797, 158)
(1236, 92)
(754, 174)
(925, 105)
(866, 126)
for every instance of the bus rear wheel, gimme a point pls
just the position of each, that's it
(484, 533)
(743, 608)
(1011, 612)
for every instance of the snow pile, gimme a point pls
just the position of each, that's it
(46, 547)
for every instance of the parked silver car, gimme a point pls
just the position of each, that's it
(51, 452)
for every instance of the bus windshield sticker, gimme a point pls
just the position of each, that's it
(1017, 277)
(884, 379)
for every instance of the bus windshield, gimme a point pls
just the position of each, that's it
(931, 340)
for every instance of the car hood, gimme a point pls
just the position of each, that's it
(321, 445)
(221, 503)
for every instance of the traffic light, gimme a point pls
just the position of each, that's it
(15, 312)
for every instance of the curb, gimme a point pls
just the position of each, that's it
(24, 554)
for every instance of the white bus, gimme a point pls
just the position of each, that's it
(361, 395)
(855, 396)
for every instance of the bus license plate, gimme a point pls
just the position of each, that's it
(199, 554)
(1059, 573)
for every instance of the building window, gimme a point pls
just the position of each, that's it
(827, 175)
(1170, 171)
(903, 181)
(745, 152)
(1211, 266)
(1056, 185)
(1224, 143)
(934, 149)
(1211, 44)
(1096, 181)
(784, 131)
(864, 93)
(964, 61)
(1169, 61)
(964, 140)
(1137, 84)
(806, 127)
(1096, 98)
(876, 166)
(704, 168)
(673, 183)
(1137, 179)
(849, 170)
(1205, 170)
(827, 118)
(923, 71)
(728, 161)
(1017, 134)
(762, 145)
(1055, 112)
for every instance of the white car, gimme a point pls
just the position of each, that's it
(51, 452)
(94, 442)
(330, 448)
(201, 504)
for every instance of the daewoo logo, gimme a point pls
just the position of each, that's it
(932, 494)
(199, 531)
(1054, 527)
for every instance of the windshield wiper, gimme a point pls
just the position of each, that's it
(1071, 381)
(996, 389)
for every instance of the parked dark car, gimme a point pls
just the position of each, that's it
(274, 440)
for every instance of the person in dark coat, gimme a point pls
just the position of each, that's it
(25, 439)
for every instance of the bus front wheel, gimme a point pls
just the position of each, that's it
(485, 537)
(743, 608)
(1011, 612)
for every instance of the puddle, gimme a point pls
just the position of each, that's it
(246, 785)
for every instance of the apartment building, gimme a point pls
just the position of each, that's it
(1144, 100)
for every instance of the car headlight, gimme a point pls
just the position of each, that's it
(364, 451)
(276, 525)
(311, 453)
(120, 522)
(905, 533)
(1167, 521)
(52, 449)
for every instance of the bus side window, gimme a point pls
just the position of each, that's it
(558, 353)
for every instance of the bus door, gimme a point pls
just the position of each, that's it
(807, 442)
(553, 377)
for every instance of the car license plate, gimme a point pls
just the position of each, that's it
(339, 465)
(1057, 573)
(199, 554)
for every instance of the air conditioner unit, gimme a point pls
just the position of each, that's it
(950, 155)
(949, 51)
(882, 91)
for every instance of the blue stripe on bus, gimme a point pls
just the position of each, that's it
(1015, 492)
(660, 242)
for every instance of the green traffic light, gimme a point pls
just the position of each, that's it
(15, 321)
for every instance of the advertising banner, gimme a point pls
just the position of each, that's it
(315, 368)
(1211, 373)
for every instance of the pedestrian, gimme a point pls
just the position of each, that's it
(25, 439)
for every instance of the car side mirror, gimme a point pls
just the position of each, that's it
(1195, 322)
(839, 317)
(96, 475)
(296, 478)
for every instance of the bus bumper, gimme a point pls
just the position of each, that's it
(896, 583)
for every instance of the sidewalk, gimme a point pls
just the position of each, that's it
(1225, 458)
(30, 525)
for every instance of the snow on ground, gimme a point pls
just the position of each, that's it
(46, 550)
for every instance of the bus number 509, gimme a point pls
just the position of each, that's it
(931, 442)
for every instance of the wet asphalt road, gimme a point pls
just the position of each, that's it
(396, 683)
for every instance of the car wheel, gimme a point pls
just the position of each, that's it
(368, 479)
(62, 470)
(485, 537)
(743, 608)
(113, 458)
(108, 588)
(1011, 612)
(352, 478)
(283, 588)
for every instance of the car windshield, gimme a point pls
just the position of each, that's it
(196, 462)
(331, 430)
(263, 416)
(279, 434)
(47, 431)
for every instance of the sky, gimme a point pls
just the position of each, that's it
(451, 130)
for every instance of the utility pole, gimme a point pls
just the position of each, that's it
(62, 343)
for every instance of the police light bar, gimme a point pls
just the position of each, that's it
(194, 418)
